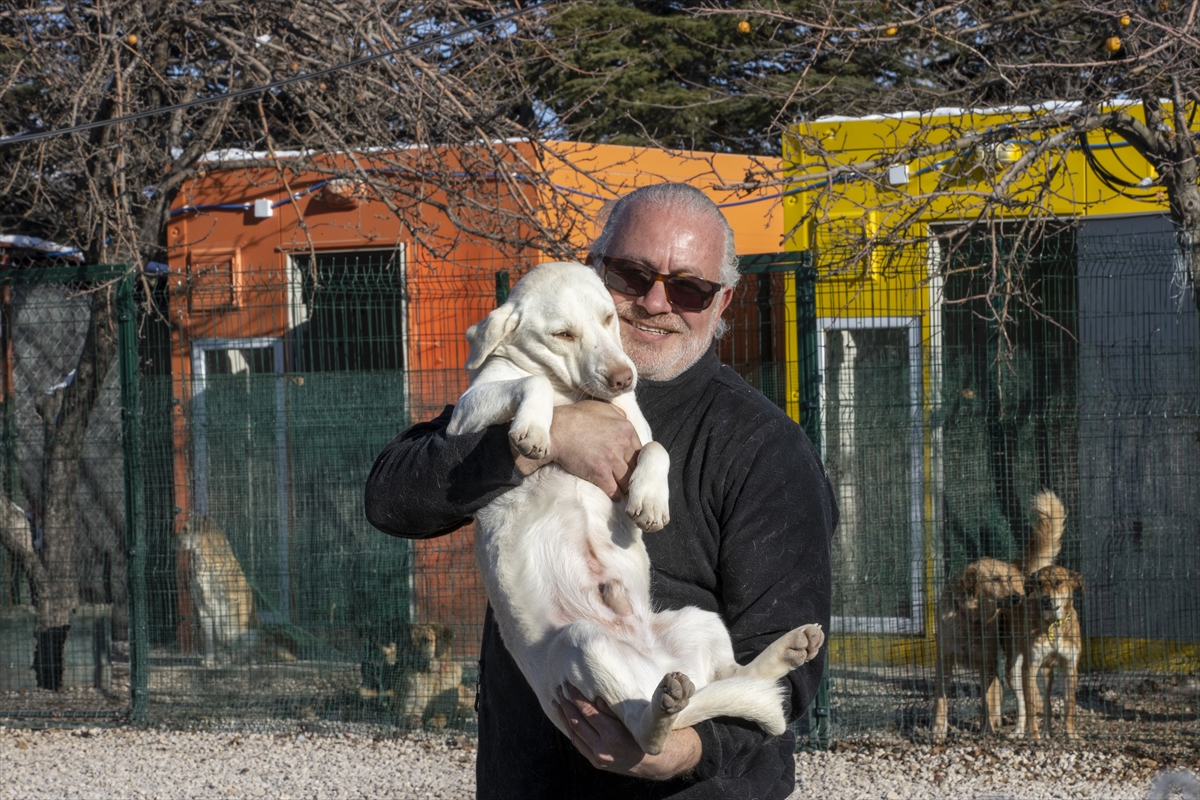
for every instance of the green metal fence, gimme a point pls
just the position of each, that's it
(72, 536)
(1072, 367)
(222, 477)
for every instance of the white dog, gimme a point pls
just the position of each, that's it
(565, 568)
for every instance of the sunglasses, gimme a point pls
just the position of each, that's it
(636, 280)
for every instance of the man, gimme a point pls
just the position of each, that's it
(752, 516)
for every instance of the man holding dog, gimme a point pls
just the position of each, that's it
(752, 517)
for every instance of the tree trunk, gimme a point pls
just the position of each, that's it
(1184, 197)
(1173, 153)
(65, 419)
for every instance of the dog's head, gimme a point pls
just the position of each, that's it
(560, 322)
(429, 642)
(986, 587)
(1053, 589)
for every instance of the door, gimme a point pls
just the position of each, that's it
(871, 440)
(239, 451)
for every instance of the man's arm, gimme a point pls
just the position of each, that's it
(427, 483)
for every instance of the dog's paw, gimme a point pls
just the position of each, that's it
(650, 517)
(802, 645)
(649, 495)
(673, 693)
(532, 441)
(648, 508)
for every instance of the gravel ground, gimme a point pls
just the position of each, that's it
(130, 763)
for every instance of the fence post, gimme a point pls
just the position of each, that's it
(135, 534)
(810, 420)
(12, 577)
(502, 287)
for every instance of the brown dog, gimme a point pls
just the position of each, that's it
(411, 670)
(1045, 636)
(431, 689)
(973, 614)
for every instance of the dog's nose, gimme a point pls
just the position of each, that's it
(620, 378)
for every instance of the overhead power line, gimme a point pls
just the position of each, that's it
(251, 90)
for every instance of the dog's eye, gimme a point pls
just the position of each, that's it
(566, 336)
(609, 319)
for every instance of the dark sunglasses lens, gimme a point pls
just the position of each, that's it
(690, 295)
(628, 278)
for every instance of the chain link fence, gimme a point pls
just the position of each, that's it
(264, 393)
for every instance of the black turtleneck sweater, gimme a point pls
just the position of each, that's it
(752, 516)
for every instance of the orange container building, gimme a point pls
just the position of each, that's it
(313, 316)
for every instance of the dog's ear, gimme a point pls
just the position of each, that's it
(1075, 580)
(1031, 584)
(487, 334)
(968, 583)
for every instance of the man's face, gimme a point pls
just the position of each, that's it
(663, 341)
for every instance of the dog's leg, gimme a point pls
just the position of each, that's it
(1049, 672)
(530, 431)
(528, 402)
(648, 502)
(670, 697)
(1033, 699)
(989, 682)
(208, 634)
(943, 672)
(1017, 681)
(485, 404)
(698, 641)
(588, 657)
(628, 404)
(1070, 683)
(785, 654)
(412, 691)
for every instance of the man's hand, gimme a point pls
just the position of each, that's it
(608, 745)
(591, 440)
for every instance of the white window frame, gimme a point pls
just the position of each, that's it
(916, 622)
(200, 448)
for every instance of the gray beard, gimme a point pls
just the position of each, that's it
(652, 368)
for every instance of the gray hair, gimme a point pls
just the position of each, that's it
(678, 197)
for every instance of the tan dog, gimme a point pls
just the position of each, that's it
(432, 692)
(1045, 636)
(221, 595)
(973, 615)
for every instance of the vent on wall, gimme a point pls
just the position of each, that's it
(213, 282)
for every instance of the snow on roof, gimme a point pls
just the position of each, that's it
(236, 154)
(1049, 106)
(19, 242)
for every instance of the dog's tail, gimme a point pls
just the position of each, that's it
(1046, 541)
(755, 699)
